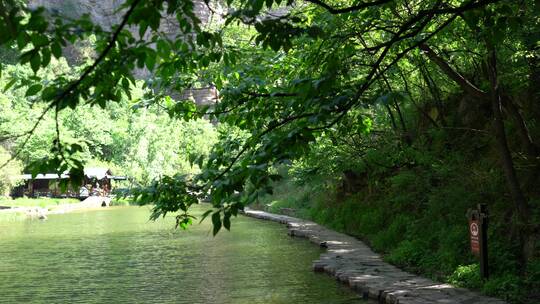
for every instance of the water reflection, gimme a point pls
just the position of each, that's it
(117, 256)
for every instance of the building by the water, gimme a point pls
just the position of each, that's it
(97, 181)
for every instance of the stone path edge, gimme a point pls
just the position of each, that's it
(353, 263)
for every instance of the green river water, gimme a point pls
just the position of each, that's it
(116, 255)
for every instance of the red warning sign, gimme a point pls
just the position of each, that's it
(474, 232)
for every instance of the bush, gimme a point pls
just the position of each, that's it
(533, 273)
(370, 221)
(509, 287)
(466, 276)
(387, 239)
(407, 254)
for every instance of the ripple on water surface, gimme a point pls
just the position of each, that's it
(116, 255)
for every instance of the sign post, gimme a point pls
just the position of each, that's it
(474, 233)
(478, 225)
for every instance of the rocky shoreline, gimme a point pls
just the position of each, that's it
(352, 262)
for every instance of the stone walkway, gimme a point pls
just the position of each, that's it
(355, 264)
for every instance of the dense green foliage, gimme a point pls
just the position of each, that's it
(8, 173)
(410, 206)
(138, 142)
(425, 107)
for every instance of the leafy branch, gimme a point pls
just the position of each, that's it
(73, 86)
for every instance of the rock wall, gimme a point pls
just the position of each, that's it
(202, 96)
(101, 12)
(105, 13)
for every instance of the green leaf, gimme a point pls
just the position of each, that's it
(33, 90)
(125, 84)
(10, 84)
(227, 221)
(39, 40)
(35, 62)
(216, 221)
(163, 48)
(143, 26)
(49, 93)
(45, 57)
(22, 40)
(56, 50)
(274, 44)
(205, 215)
(150, 60)
(257, 5)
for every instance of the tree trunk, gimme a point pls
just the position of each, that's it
(521, 207)
(526, 141)
(392, 119)
(533, 104)
(435, 93)
(418, 108)
(400, 115)
(401, 119)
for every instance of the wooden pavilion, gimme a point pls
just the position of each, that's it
(97, 181)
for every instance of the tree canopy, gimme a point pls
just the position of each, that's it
(289, 73)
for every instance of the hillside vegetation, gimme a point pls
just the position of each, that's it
(142, 143)
(409, 202)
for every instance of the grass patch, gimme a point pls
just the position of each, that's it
(120, 202)
(43, 202)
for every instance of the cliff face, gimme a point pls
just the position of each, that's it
(105, 14)
(102, 12)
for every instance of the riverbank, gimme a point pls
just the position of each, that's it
(42, 202)
(21, 209)
(355, 264)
